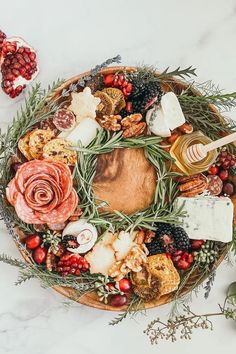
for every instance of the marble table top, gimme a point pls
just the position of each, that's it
(71, 37)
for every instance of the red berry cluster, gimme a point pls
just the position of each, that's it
(221, 168)
(33, 243)
(118, 81)
(71, 263)
(182, 259)
(224, 162)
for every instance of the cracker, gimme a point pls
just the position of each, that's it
(162, 267)
(23, 146)
(38, 138)
(57, 150)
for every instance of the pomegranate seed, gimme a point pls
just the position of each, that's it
(13, 94)
(125, 84)
(64, 274)
(60, 269)
(27, 50)
(21, 50)
(22, 71)
(21, 61)
(32, 56)
(6, 83)
(74, 265)
(16, 72)
(77, 272)
(19, 89)
(72, 271)
(16, 66)
(8, 90)
(26, 58)
(66, 269)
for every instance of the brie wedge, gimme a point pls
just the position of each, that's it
(172, 110)
(157, 123)
(85, 132)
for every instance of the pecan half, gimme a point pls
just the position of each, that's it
(134, 130)
(132, 125)
(128, 121)
(189, 186)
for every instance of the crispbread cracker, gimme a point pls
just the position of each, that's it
(162, 267)
(57, 150)
(23, 146)
(38, 138)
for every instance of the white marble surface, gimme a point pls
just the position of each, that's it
(72, 36)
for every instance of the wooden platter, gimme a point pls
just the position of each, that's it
(127, 181)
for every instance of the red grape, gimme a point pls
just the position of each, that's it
(118, 300)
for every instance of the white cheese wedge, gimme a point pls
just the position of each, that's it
(157, 123)
(85, 132)
(208, 218)
(172, 110)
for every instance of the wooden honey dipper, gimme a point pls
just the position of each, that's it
(198, 152)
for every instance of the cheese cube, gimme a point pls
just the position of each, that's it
(207, 218)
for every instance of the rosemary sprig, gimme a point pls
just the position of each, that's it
(148, 74)
(81, 285)
(37, 107)
(222, 100)
(188, 72)
(135, 306)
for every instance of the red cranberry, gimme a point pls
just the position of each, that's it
(224, 175)
(32, 241)
(40, 254)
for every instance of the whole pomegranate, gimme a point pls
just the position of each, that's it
(18, 64)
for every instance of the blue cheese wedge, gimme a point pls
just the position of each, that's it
(207, 217)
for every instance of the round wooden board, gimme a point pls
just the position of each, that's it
(112, 183)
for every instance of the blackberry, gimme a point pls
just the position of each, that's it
(144, 93)
(70, 241)
(168, 239)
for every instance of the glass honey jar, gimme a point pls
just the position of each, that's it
(179, 149)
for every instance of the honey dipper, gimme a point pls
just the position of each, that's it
(198, 152)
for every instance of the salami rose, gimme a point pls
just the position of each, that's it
(42, 192)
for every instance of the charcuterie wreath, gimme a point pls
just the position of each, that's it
(100, 196)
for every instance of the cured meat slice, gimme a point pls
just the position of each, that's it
(11, 192)
(215, 185)
(64, 120)
(62, 212)
(65, 177)
(24, 212)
